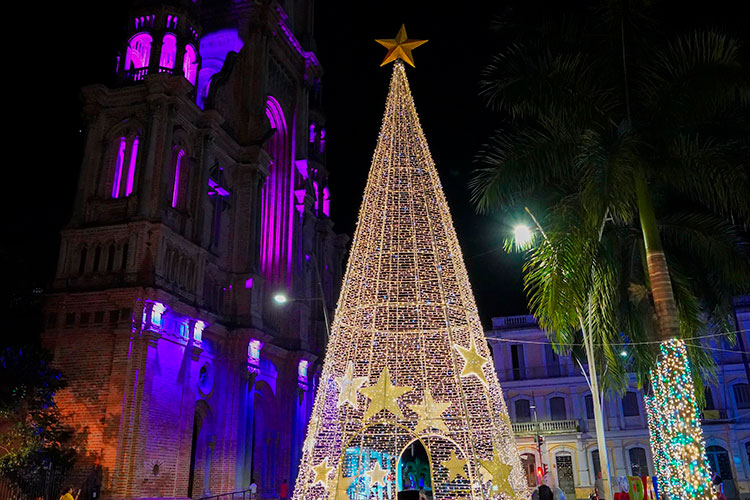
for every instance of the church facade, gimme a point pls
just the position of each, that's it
(203, 194)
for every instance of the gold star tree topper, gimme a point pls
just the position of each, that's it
(400, 47)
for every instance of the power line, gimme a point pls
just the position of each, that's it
(645, 342)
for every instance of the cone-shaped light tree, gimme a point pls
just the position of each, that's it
(407, 363)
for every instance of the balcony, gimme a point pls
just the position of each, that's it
(709, 417)
(537, 372)
(546, 427)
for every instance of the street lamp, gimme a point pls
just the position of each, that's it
(525, 240)
(282, 298)
(523, 236)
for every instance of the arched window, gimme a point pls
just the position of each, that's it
(528, 463)
(190, 64)
(630, 405)
(523, 410)
(557, 409)
(138, 53)
(178, 194)
(277, 205)
(638, 462)
(125, 164)
(168, 51)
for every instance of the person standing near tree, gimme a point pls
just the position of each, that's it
(68, 494)
(283, 490)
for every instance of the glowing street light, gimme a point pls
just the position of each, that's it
(280, 298)
(523, 236)
(624, 353)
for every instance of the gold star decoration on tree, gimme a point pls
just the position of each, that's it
(348, 386)
(400, 47)
(473, 361)
(321, 472)
(499, 472)
(383, 396)
(341, 486)
(376, 475)
(429, 413)
(455, 466)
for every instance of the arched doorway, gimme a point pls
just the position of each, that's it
(201, 452)
(413, 472)
(719, 461)
(528, 463)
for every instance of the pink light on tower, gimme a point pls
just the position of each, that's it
(277, 210)
(131, 167)
(176, 187)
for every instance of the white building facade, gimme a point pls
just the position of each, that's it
(547, 394)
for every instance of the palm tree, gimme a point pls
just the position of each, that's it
(607, 129)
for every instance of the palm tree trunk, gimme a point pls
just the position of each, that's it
(676, 407)
(656, 261)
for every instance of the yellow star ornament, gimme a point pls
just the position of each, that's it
(473, 361)
(429, 413)
(321, 472)
(455, 467)
(376, 475)
(341, 486)
(400, 47)
(348, 387)
(500, 472)
(383, 396)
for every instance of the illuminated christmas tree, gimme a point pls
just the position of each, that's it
(407, 364)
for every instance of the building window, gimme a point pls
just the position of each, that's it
(528, 463)
(124, 175)
(709, 398)
(630, 405)
(138, 53)
(168, 51)
(82, 261)
(516, 357)
(557, 408)
(589, 400)
(190, 64)
(638, 462)
(523, 410)
(742, 396)
(177, 194)
(596, 464)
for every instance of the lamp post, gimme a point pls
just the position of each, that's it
(526, 240)
(282, 298)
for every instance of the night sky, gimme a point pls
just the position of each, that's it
(68, 45)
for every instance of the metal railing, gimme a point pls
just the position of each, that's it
(546, 427)
(537, 372)
(48, 487)
(714, 416)
(234, 495)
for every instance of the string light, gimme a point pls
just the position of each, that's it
(675, 427)
(407, 358)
